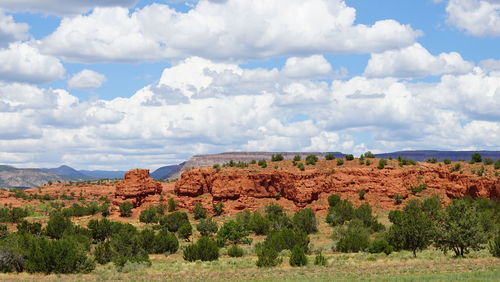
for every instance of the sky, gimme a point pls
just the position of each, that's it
(120, 84)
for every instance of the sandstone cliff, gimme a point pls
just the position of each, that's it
(135, 187)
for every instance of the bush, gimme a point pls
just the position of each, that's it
(417, 189)
(244, 218)
(369, 155)
(277, 158)
(497, 164)
(476, 158)
(105, 210)
(340, 162)
(297, 158)
(235, 252)
(311, 160)
(354, 239)
(174, 221)
(340, 213)
(259, 224)
(305, 220)
(349, 157)
(380, 245)
(494, 245)
(185, 231)
(262, 163)
(361, 194)
(277, 217)
(447, 161)
(233, 232)
(147, 239)
(398, 199)
(34, 228)
(100, 230)
(382, 163)
(432, 160)
(4, 232)
(126, 209)
(172, 205)
(329, 157)
(199, 211)
(456, 167)
(216, 167)
(286, 239)
(298, 257)
(301, 166)
(333, 200)
(267, 256)
(364, 213)
(148, 215)
(207, 227)
(11, 259)
(217, 208)
(56, 226)
(204, 249)
(165, 243)
(127, 246)
(103, 253)
(320, 260)
(368, 162)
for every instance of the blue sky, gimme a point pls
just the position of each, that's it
(149, 83)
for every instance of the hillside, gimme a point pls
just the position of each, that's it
(11, 177)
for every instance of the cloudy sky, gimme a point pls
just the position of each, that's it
(119, 84)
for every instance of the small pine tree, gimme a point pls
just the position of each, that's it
(349, 157)
(333, 200)
(207, 227)
(185, 231)
(217, 208)
(329, 157)
(126, 209)
(267, 256)
(172, 205)
(494, 245)
(103, 253)
(199, 211)
(298, 257)
(320, 260)
(235, 252)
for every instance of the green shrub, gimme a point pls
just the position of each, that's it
(361, 194)
(165, 242)
(286, 239)
(456, 167)
(497, 164)
(277, 158)
(56, 226)
(432, 160)
(297, 158)
(380, 245)
(11, 259)
(253, 162)
(494, 245)
(147, 239)
(148, 215)
(369, 155)
(216, 167)
(329, 157)
(259, 224)
(262, 163)
(34, 228)
(476, 158)
(217, 208)
(382, 163)
(340, 213)
(207, 227)
(417, 189)
(447, 161)
(267, 256)
(311, 160)
(403, 161)
(235, 251)
(333, 200)
(204, 249)
(340, 162)
(320, 260)
(199, 211)
(105, 210)
(100, 230)
(172, 205)
(298, 257)
(349, 157)
(244, 218)
(126, 209)
(233, 232)
(368, 162)
(301, 166)
(354, 239)
(185, 231)
(398, 199)
(4, 232)
(277, 217)
(364, 213)
(305, 220)
(103, 253)
(174, 221)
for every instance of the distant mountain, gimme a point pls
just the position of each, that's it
(103, 174)
(165, 172)
(11, 177)
(440, 155)
(67, 173)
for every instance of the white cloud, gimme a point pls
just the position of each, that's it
(476, 17)
(86, 79)
(415, 61)
(61, 7)
(11, 31)
(22, 62)
(490, 65)
(229, 30)
(313, 66)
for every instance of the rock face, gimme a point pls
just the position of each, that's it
(305, 187)
(135, 187)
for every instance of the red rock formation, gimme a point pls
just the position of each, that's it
(305, 187)
(135, 187)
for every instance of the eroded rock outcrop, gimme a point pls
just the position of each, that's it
(135, 187)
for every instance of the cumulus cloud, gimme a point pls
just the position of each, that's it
(224, 30)
(61, 7)
(86, 79)
(415, 61)
(22, 62)
(475, 17)
(11, 31)
(313, 66)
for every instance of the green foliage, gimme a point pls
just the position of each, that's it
(165, 242)
(311, 160)
(199, 211)
(56, 226)
(172, 205)
(277, 217)
(286, 239)
(340, 213)
(398, 199)
(329, 157)
(369, 155)
(253, 162)
(262, 163)
(447, 161)
(354, 239)
(340, 162)
(218, 208)
(204, 249)
(216, 167)
(103, 253)
(34, 228)
(432, 160)
(380, 245)
(277, 158)
(361, 194)
(4, 232)
(456, 167)
(349, 157)
(488, 161)
(497, 164)
(147, 240)
(382, 163)
(235, 252)
(412, 228)
(403, 161)
(81, 210)
(267, 256)
(100, 230)
(185, 231)
(297, 158)
(301, 166)
(259, 224)
(461, 228)
(127, 246)
(320, 260)
(12, 259)
(298, 257)
(494, 245)
(244, 218)
(364, 214)
(149, 215)
(126, 209)
(13, 215)
(105, 210)
(417, 189)
(207, 227)
(305, 220)
(174, 221)
(234, 232)
(333, 200)
(476, 158)
(368, 162)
